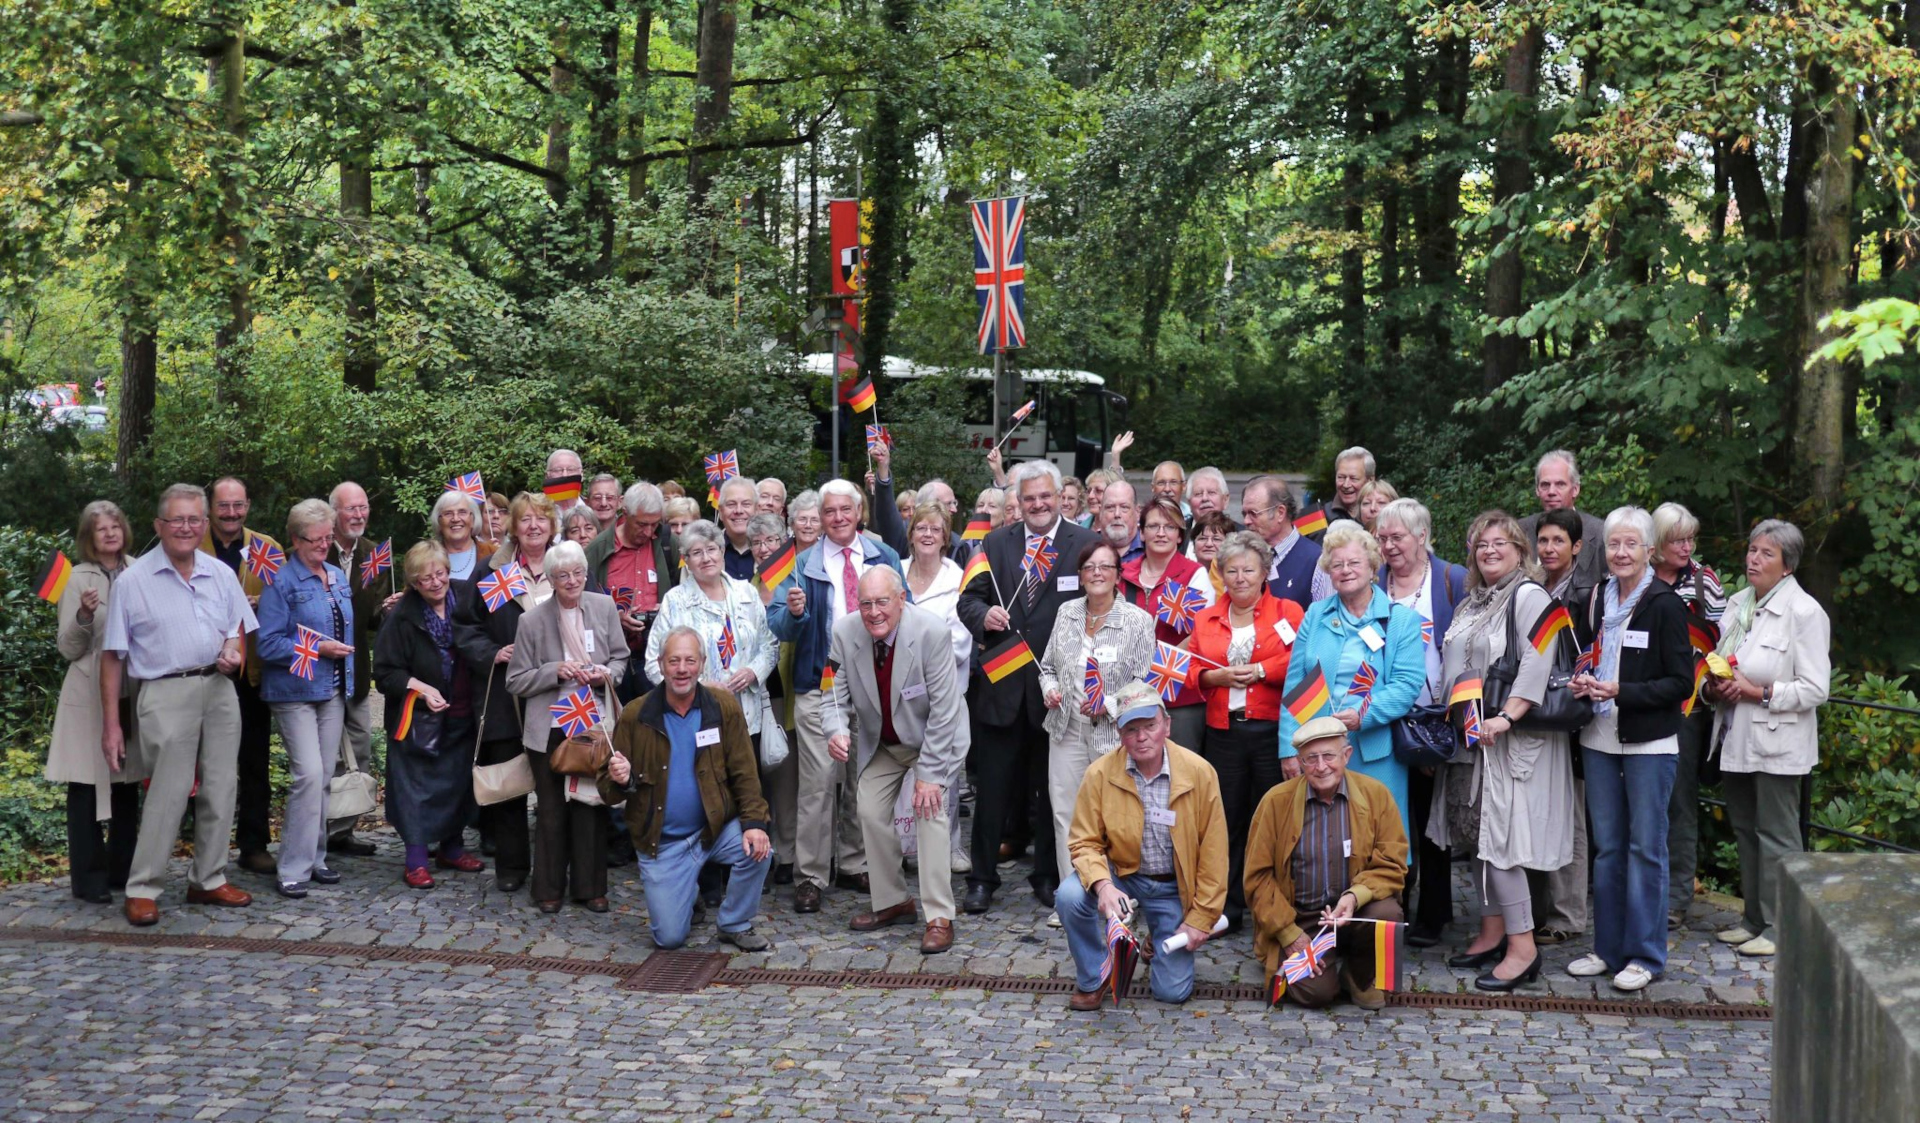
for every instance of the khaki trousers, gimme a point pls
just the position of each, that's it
(187, 725)
(880, 783)
(826, 819)
(1068, 759)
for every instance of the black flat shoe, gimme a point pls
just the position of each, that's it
(783, 873)
(1493, 982)
(324, 876)
(979, 899)
(97, 897)
(292, 890)
(1474, 961)
(347, 844)
(510, 882)
(1043, 891)
(1418, 937)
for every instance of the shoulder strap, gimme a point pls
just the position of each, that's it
(486, 695)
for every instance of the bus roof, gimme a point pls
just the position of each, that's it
(820, 364)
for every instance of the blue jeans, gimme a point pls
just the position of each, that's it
(1627, 798)
(672, 881)
(1087, 933)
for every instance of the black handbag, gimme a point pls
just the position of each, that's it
(1423, 738)
(1560, 711)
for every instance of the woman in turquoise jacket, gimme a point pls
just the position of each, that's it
(1358, 627)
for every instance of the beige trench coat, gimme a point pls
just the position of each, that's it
(74, 756)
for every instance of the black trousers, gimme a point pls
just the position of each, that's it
(1246, 757)
(1432, 866)
(506, 823)
(1010, 790)
(253, 797)
(101, 864)
(569, 838)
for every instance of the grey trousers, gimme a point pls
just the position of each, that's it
(826, 803)
(890, 767)
(311, 733)
(1504, 893)
(356, 731)
(186, 724)
(1765, 812)
(1683, 811)
(1560, 897)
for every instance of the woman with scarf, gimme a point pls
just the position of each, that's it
(1636, 626)
(1509, 798)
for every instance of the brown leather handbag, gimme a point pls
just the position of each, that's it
(586, 754)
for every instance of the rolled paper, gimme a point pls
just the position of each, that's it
(1718, 666)
(1179, 939)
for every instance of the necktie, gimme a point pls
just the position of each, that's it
(881, 649)
(1034, 579)
(849, 581)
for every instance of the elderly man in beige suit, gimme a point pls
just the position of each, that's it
(896, 680)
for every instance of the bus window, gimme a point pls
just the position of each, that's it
(1060, 428)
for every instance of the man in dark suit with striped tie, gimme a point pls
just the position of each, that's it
(1016, 601)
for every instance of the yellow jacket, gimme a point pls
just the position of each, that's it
(1376, 869)
(249, 584)
(1108, 820)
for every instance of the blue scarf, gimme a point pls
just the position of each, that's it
(1613, 622)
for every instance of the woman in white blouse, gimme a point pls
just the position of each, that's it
(717, 606)
(934, 579)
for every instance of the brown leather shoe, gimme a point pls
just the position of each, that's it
(902, 913)
(142, 911)
(938, 937)
(227, 897)
(1086, 1001)
(1370, 999)
(259, 861)
(806, 897)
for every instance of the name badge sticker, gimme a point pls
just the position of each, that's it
(1371, 638)
(589, 636)
(917, 690)
(1631, 638)
(1346, 848)
(707, 737)
(1105, 653)
(1069, 583)
(1285, 631)
(652, 577)
(1160, 816)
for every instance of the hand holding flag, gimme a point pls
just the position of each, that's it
(306, 653)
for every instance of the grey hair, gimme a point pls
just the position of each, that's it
(1101, 477)
(1030, 469)
(565, 557)
(846, 489)
(889, 575)
(1786, 537)
(1411, 514)
(777, 482)
(766, 522)
(1564, 457)
(333, 497)
(738, 482)
(680, 503)
(1176, 467)
(701, 530)
(560, 452)
(181, 491)
(1671, 521)
(306, 513)
(808, 499)
(1360, 454)
(1634, 518)
(1277, 490)
(1245, 542)
(1210, 473)
(643, 499)
(447, 501)
(579, 512)
(996, 494)
(699, 641)
(1347, 532)
(604, 478)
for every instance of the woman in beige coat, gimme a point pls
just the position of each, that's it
(1776, 638)
(95, 794)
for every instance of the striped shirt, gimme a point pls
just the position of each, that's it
(1700, 587)
(1319, 865)
(1156, 839)
(162, 623)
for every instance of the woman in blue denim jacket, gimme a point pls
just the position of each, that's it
(306, 685)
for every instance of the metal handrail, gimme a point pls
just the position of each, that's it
(1866, 705)
(1807, 824)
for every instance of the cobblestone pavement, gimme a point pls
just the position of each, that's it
(106, 1034)
(466, 913)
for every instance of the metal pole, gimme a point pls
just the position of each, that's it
(999, 391)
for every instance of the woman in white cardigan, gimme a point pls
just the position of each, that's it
(1776, 636)
(715, 605)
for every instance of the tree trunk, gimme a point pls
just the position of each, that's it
(1749, 189)
(139, 365)
(712, 88)
(560, 125)
(1821, 397)
(603, 137)
(637, 119)
(1505, 354)
(892, 161)
(1353, 222)
(361, 354)
(1389, 244)
(1437, 246)
(232, 235)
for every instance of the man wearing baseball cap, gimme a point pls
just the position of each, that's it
(1324, 847)
(1147, 825)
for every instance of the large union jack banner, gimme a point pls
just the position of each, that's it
(1000, 271)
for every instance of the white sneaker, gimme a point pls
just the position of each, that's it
(1737, 934)
(1053, 920)
(1759, 945)
(1587, 966)
(963, 862)
(1632, 977)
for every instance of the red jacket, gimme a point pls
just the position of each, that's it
(1211, 636)
(1181, 570)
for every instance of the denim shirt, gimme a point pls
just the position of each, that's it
(298, 596)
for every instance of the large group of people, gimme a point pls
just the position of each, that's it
(1295, 721)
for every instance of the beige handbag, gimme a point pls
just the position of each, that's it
(498, 783)
(352, 793)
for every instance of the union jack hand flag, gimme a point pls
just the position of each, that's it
(1300, 964)
(575, 713)
(1168, 671)
(728, 648)
(378, 561)
(1362, 688)
(1095, 684)
(723, 466)
(1000, 272)
(1177, 606)
(1470, 725)
(1022, 413)
(306, 652)
(625, 599)
(1039, 561)
(468, 484)
(502, 585)
(878, 438)
(1588, 661)
(264, 559)
(1426, 632)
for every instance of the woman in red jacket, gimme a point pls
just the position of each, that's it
(1240, 647)
(1158, 582)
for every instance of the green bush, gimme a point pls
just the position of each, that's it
(32, 823)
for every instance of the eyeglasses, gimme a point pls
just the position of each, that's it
(876, 604)
(1348, 567)
(185, 522)
(315, 539)
(1162, 528)
(1099, 567)
(1494, 545)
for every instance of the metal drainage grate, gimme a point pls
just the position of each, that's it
(676, 972)
(687, 972)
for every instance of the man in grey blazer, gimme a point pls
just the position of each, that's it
(895, 678)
